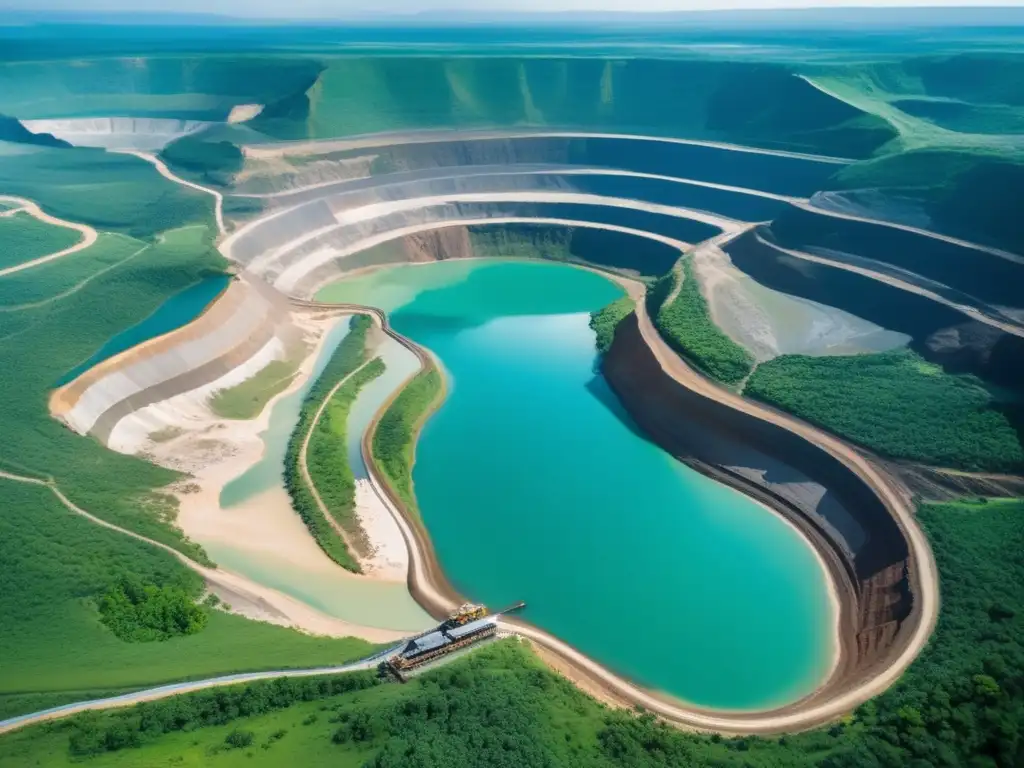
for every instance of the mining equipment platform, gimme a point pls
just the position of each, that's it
(466, 626)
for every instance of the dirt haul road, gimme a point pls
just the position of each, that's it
(89, 235)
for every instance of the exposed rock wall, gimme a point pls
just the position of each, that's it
(702, 432)
(940, 333)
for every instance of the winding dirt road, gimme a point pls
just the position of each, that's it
(89, 235)
(433, 591)
(377, 140)
(307, 478)
(167, 173)
(176, 689)
(272, 605)
(435, 594)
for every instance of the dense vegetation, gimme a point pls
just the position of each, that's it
(522, 241)
(961, 703)
(685, 323)
(394, 441)
(111, 191)
(55, 564)
(605, 320)
(349, 355)
(894, 403)
(24, 237)
(750, 103)
(71, 308)
(211, 161)
(92, 735)
(328, 456)
(138, 612)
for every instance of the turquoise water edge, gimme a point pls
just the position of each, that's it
(535, 485)
(179, 310)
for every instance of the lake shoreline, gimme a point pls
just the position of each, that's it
(434, 592)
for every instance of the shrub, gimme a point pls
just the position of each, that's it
(137, 612)
(686, 325)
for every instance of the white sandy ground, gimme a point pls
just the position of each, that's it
(770, 323)
(291, 276)
(214, 451)
(122, 132)
(243, 113)
(89, 235)
(302, 268)
(366, 141)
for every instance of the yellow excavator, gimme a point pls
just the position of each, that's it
(465, 613)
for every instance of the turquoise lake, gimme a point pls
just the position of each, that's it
(535, 485)
(181, 309)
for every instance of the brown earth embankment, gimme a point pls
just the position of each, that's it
(877, 580)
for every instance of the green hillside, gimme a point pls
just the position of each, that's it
(23, 238)
(56, 567)
(960, 703)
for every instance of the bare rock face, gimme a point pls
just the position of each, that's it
(979, 349)
(870, 572)
(438, 244)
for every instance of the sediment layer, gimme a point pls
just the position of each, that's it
(238, 326)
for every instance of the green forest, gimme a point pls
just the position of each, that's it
(24, 237)
(394, 440)
(71, 308)
(58, 567)
(112, 192)
(138, 612)
(522, 241)
(349, 356)
(897, 404)
(605, 320)
(328, 455)
(685, 323)
(960, 704)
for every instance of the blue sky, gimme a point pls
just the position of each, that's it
(336, 8)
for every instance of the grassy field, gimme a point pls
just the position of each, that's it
(112, 192)
(961, 702)
(607, 319)
(248, 399)
(349, 355)
(23, 238)
(394, 442)
(897, 404)
(696, 98)
(686, 324)
(55, 278)
(56, 564)
(116, 292)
